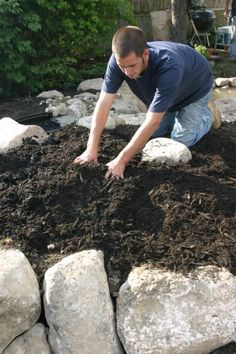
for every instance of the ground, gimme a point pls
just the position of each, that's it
(178, 218)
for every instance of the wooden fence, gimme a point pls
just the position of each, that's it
(143, 9)
(145, 6)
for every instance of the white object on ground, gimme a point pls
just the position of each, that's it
(164, 150)
(12, 134)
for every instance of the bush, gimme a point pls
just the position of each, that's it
(45, 42)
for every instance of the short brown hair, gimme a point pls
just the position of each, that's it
(127, 40)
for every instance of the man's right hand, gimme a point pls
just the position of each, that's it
(87, 157)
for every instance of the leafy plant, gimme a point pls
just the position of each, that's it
(201, 49)
(43, 43)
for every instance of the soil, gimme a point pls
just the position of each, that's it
(177, 218)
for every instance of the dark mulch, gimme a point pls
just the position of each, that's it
(178, 218)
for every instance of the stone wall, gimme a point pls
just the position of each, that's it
(157, 312)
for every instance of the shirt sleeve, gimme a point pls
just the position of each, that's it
(113, 77)
(167, 90)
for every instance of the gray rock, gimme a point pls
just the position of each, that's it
(164, 150)
(161, 312)
(13, 133)
(33, 341)
(51, 94)
(78, 306)
(20, 303)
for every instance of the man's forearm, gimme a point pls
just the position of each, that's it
(99, 119)
(97, 127)
(141, 136)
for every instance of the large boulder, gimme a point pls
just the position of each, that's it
(34, 341)
(20, 303)
(78, 306)
(115, 121)
(163, 312)
(12, 134)
(125, 102)
(227, 108)
(164, 150)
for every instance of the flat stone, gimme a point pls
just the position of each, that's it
(51, 94)
(65, 120)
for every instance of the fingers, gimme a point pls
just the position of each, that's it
(108, 174)
(112, 173)
(115, 168)
(79, 160)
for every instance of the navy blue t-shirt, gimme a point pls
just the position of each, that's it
(233, 10)
(176, 76)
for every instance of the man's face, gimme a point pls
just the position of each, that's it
(133, 65)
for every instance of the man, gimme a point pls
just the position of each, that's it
(232, 14)
(174, 82)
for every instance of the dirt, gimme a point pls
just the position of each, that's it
(178, 218)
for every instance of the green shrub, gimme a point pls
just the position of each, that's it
(44, 43)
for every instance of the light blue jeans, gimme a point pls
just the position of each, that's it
(189, 124)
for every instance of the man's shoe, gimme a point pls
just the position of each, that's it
(215, 115)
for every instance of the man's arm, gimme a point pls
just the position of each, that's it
(99, 119)
(117, 166)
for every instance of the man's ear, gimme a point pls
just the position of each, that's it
(146, 53)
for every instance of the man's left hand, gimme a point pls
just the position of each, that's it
(116, 168)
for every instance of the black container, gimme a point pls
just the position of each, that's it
(203, 19)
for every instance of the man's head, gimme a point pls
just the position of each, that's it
(129, 49)
(127, 40)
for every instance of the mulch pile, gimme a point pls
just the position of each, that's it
(178, 218)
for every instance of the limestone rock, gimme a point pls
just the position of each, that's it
(220, 81)
(95, 85)
(33, 341)
(86, 122)
(161, 312)
(91, 85)
(57, 110)
(130, 119)
(51, 94)
(232, 81)
(127, 104)
(20, 303)
(164, 150)
(227, 108)
(12, 134)
(65, 120)
(77, 108)
(132, 103)
(78, 306)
